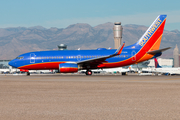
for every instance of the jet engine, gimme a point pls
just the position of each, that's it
(68, 67)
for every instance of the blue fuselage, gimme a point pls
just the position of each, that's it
(56, 57)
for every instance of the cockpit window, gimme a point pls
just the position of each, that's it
(19, 58)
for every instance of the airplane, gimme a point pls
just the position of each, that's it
(116, 70)
(165, 71)
(70, 61)
(121, 70)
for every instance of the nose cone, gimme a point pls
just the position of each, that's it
(12, 63)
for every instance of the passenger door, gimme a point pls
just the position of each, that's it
(32, 58)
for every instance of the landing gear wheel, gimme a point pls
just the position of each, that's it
(28, 73)
(88, 72)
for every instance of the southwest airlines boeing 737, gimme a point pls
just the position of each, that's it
(69, 61)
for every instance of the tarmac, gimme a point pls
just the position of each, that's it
(96, 97)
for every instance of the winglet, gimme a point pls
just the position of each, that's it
(119, 50)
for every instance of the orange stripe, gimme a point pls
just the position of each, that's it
(154, 47)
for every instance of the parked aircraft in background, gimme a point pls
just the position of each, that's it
(165, 71)
(69, 61)
(117, 70)
(121, 70)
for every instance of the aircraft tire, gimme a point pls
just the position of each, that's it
(88, 72)
(123, 73)
(28, 73)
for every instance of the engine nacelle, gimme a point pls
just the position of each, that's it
(68, 67)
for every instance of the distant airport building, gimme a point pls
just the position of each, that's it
(4, 64)
(176, 56)
(162, 62)
(117, 34)
(4, 67)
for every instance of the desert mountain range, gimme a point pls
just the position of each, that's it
(19, 40)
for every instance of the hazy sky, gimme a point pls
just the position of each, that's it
(62, 13)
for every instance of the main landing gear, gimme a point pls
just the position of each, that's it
(88, 72)
(27, 73)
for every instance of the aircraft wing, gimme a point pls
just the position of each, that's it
(102, 59)
(158, 51)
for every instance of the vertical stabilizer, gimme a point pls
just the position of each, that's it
(153, 35)
(151, 39)
(156, 63)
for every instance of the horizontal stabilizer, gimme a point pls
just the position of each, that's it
(158, 51)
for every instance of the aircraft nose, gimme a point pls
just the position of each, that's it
(11, 63)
